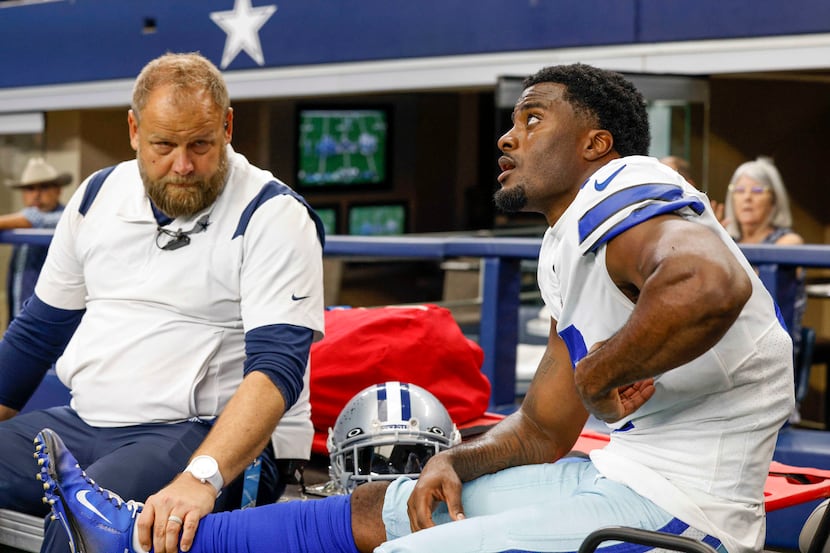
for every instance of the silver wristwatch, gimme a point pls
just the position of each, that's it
(205, 469)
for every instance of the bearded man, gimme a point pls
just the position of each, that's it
(179, 301)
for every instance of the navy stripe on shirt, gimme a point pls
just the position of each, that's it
(93, 187)
(280, 351)
(271, 190)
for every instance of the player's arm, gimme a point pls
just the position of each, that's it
(543, 429)
(536, 432)
(688, 289)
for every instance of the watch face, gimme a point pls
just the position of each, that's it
(204, 467)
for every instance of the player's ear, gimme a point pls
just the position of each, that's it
(600, 142)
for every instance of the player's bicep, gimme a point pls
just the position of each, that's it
(632, 256)
(688, 287)
(670, 252)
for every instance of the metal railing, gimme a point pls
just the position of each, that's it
(500, 282)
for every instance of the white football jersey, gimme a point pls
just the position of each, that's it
(700, 448)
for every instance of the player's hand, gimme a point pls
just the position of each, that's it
(437, 482)
(186, 498)
(619, 402)
(622, 401)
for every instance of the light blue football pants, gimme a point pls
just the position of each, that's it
(539, 508)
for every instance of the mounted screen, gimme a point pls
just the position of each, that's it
(381, 219)
(343, 148)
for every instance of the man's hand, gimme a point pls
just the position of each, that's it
(620, 402)
(186, 498)
(437, 482)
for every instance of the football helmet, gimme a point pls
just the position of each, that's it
(385, 431)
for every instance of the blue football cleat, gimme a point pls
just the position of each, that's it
(96, 520)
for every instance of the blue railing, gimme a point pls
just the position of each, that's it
(500, 283)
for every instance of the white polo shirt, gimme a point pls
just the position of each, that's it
(162, 339)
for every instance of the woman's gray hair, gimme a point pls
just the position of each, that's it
(764, 171)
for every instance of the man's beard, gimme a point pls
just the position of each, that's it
(510, 200)
(183, 201)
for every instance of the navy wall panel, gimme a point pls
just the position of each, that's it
(68, 41)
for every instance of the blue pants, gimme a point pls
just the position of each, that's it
(133, 461)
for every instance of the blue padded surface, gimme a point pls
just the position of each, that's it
(784, 525)
(803, 447)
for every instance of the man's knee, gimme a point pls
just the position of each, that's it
(367, 520)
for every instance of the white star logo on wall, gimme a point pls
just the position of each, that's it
(242, 25)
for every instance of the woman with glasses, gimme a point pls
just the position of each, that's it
(758, 212)
(758, 207)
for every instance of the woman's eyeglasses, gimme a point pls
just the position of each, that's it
(741, 189)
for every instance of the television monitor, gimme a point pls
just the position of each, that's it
(330, 216)
(380, 219)
(343, 148)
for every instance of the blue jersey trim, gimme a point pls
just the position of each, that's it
(780, 316)
(671, 196)
(675, 527)
(271, 190)
(626, 427)
(33, 342)
(93, 187)
(281, 352)
(575, 342)
(640, 215)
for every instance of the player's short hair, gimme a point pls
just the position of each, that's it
(610, 98)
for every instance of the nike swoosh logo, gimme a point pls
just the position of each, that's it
(600, 186)
(298, 298)
(80, 495)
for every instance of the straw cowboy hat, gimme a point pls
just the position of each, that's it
(38, 172)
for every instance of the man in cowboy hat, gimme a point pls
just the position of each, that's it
(41, 186)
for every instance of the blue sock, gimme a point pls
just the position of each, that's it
(312, 526)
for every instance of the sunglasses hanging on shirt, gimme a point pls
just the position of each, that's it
(181, 238)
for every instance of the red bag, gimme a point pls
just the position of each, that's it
(421, 345)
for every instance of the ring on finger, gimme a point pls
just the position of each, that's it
(174, 518)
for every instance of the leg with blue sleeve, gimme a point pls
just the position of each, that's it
(97, 519)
